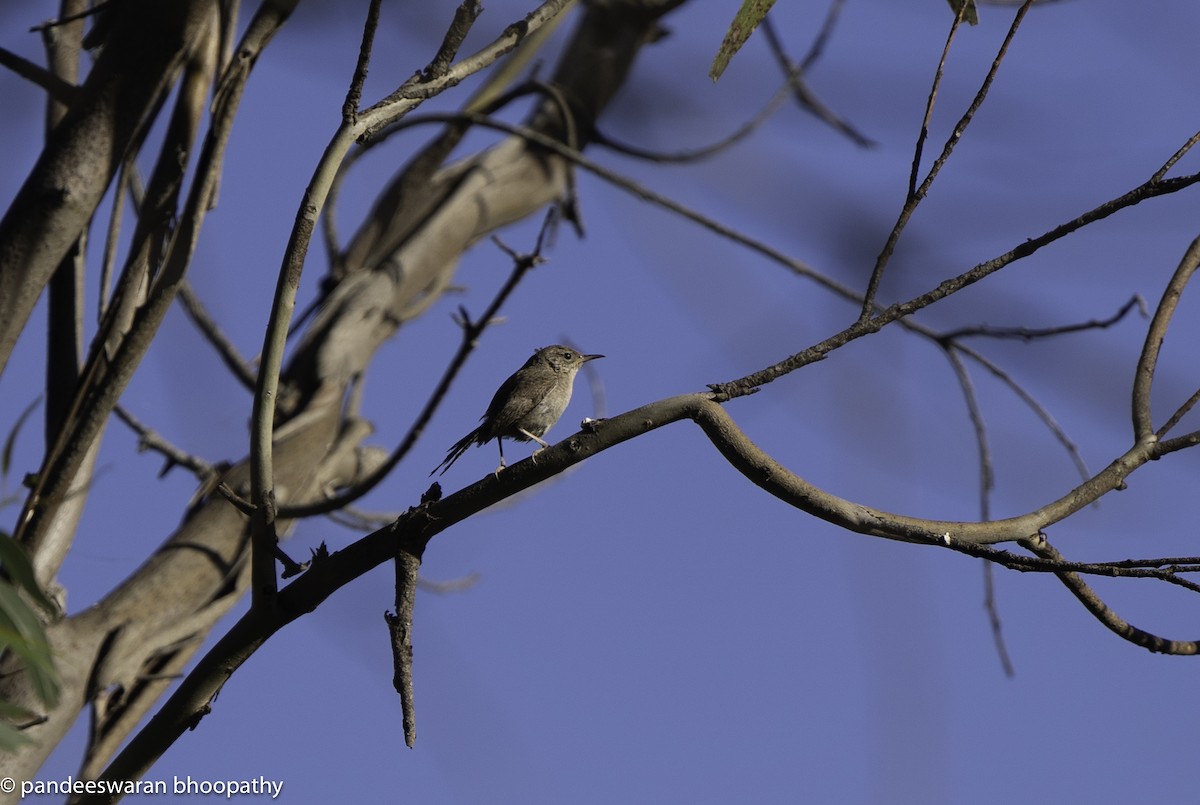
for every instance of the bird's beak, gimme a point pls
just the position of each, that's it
(587, 358)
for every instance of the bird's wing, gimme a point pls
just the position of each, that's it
(506, 408)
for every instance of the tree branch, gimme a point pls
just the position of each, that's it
(1143, 378)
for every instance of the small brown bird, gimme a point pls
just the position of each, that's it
(527, 404)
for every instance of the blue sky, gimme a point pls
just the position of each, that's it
(651, 627)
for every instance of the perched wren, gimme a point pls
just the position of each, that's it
(527, 404)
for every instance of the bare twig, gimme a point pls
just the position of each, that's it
(1033, 333)
(705, 151)
(225, 348)
(1101, 611)
(1179, 414)
(986, 478)
(1031, 402)
(354, 93)
(993, 614)
(400, 627)
(149, 439)
(986, 484)
(96, 8)
(450, 586)
(210, 475)
(125, 174)
(56, 87)
(464, 17)
(916, 194)
(1178, 155)
(817, 48)
(747, 384)
(798, 84)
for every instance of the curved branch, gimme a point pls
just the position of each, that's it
(1117, 625)
(1143, 378)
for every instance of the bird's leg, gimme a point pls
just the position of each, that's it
(536, 439)
(500, 446)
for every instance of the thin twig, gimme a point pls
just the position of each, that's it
(126, 174)
(210, 475)
(149, 439)
(1178, 155)
(96, 8)
(354, 92)
(450, 586)
(916, 194)
(1031, 402)
(1032, 333)
(1101, 611)
(994, 622)
(464, 17)
(798, 85)
(884, 316)
(704, 151)
(896, 312)
(986, 484)
(986, 477)
(208, 327)
(817, 48)
(1179, 414)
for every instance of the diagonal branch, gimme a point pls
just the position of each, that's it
(238, 366)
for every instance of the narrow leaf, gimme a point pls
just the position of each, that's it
(19, 570)
(744, 22)
(970, 15)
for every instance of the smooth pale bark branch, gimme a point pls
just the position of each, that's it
(147, 42)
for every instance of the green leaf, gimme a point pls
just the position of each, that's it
(21, 633)
(21, 629)
(744, 22)
(20, 572)
(11, 738)
(970, 15)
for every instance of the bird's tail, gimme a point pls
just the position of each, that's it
(457, 450)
